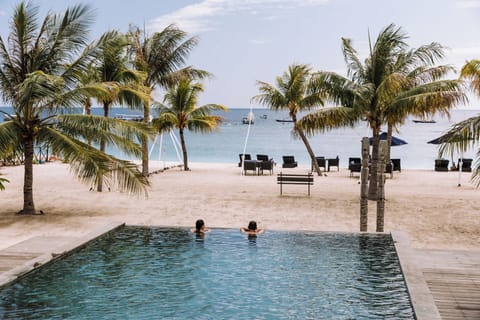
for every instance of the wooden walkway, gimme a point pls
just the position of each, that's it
(453, 278)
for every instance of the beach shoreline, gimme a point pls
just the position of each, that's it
(428, 206)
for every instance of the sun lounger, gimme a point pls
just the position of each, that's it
(246, 157)
(396, 165)
(265, 163)
(289, 162)
(354, 165)
(441, 165)
(250, 165)
(466, 164)
(322, 163)
(333, 162)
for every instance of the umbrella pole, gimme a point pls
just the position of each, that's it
(460, 165)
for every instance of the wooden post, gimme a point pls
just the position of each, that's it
(364, 185)
(381, 187)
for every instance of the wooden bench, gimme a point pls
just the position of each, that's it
(302, 179)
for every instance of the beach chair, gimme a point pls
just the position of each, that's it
(265, 163)
(322, 163)
(396, 165)
(289, 162)
(250, 165)
(246, 157)
(333, 162)
(354, 165)
(441, 164)
(466, 165)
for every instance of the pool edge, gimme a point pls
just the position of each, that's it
(22, 270)
(421, 298)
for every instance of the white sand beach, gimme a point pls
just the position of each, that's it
(427, 205)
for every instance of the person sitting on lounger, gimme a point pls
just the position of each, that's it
(200, 227)
(252, 229)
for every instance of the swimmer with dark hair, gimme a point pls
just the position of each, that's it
(200, 227)
(252, 229)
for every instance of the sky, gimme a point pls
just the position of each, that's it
(244, 41)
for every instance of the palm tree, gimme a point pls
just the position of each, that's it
(2, 181)
(466, 134)
(162, 58)
(293, 92)
(39, 78)
(123, 85)
(180, 111)
(391, 83)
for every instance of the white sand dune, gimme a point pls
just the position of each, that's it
(428, 205)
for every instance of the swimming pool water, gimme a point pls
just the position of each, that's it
(152, 273)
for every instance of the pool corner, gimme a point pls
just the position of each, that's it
(421, 298)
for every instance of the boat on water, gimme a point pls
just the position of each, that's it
(249, 119)
(130, 117)
(284, 120)
(423, 121)
(263, 116)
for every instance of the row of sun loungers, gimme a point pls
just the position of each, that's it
(442, 164)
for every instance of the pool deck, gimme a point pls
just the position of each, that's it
(443, 284)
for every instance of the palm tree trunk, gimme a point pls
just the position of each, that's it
(307, 145)
(184, 151)
(106, 106)
(373, 182)
(28, 205)
(389, 142)
(144, 142)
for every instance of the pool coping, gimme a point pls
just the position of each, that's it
(49, 256)
(421, 298)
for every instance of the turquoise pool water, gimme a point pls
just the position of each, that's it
(148, 273)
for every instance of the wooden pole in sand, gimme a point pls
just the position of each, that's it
(364, 185)
(381, 187)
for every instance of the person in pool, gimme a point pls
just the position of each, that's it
(252, 229)
(200, 227)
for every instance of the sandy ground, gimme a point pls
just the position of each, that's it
(427, 205)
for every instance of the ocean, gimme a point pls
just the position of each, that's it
(267, 136)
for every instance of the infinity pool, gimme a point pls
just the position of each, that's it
(152, 273)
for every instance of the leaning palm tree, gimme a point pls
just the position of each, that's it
(180, 111)
(123, 85)
(162, 58)
(293, 92)
(390, 84)
(39, 77)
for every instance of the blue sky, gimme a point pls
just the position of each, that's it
(242, 41)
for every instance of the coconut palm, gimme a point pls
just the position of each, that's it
(293, 92)
(391, 83)
(123, 85)
(39, 77)
(162, 57)
(466, 134)
(180, 111)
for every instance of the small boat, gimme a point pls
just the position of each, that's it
(423, 121)
(284, 120)
(248, 119)
(263, 116)
(130, 117)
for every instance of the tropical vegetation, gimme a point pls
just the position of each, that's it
(295, 92)
(180, 111)
(162, 58)
(466, 134)
(40, 77)
(391, 83)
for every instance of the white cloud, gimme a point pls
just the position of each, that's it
(467, 4)
(199, 17)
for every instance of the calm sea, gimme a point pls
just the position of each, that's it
(267, 136)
